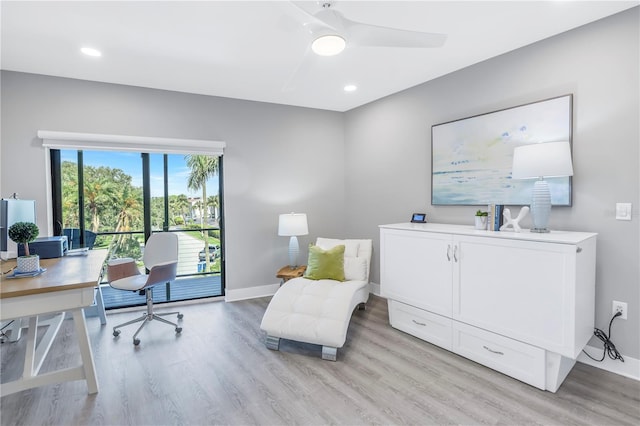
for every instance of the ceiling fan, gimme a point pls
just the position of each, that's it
(331, 32)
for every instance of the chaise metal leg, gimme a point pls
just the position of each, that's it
(273, 343)
(329, 353)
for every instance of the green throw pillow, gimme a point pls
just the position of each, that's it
(325, 264)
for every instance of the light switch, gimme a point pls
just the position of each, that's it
(623, 211)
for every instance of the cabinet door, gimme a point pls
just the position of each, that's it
(416, 269)
(520, 289)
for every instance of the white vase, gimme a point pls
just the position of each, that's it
(28, 264)
(481, 222)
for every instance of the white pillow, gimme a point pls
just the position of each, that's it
(350, 247)
(355, 268)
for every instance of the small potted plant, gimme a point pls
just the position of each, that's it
(24, 233)
(481, 220)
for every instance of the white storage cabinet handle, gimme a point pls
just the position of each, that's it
(493, 352)
(449, 252)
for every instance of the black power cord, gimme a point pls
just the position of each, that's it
(609, 347)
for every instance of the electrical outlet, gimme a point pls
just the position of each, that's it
(619, 307)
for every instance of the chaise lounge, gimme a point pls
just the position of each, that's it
(316, 309)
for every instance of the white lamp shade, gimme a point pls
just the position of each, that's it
(548, 159)
(292, 224)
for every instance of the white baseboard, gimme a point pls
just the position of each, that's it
(251, 292)
(629, 368)
(374, 289)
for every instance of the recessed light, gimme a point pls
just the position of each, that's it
(328, 45)
(89, 51)
(350, 88)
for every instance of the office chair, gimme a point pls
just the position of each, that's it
(161, 259)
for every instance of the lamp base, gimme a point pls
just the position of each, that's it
(540, 206)
(294, 249)
(540, 230)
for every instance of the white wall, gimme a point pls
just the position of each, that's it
(389, 148)
(278, 159)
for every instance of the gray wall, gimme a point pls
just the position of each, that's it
(278, 159)
(389, 148)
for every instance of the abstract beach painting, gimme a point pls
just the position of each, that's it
(471, 158)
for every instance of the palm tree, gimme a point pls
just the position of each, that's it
(214, 202)
(183, 205)
(202, 168)
(129, 216)
(100, 192)
(70, 209)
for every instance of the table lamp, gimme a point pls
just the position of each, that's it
(292, 225)
(537, 161)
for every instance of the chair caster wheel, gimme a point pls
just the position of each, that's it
(136, 342)
(180, 316)
(178, 330)
(116, 333)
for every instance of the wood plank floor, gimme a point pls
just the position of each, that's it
(219, 372)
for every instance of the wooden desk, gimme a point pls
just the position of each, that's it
(66, 286)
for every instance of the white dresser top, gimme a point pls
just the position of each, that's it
(563, 237)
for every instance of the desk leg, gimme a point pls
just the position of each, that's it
(100, 306)
(30, 354)
(14, 328)
(85, 350)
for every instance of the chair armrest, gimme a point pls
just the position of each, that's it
(121, 268)
(162, 272)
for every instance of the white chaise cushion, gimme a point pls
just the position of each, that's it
(355, 253)
(355, 269)
(314, 311)
(350, 246)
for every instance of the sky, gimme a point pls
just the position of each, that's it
(131, 164)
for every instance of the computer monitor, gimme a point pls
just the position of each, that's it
(12, 211)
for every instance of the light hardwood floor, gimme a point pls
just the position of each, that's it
(219, 372)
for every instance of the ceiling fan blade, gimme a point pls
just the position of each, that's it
(309, 60)
(361, 34)
(305, 19)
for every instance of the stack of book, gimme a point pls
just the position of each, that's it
(495, 219)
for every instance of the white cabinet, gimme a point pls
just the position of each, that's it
(418, 271)
(521, 303)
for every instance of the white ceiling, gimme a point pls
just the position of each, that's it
(249, 50)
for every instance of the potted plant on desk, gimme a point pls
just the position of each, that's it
(24, 233)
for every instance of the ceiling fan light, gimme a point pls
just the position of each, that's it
(328, 45)
(90, 51)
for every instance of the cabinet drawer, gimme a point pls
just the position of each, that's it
(516, 359)
(433, 328)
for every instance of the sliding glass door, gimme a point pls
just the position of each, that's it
(115, 200)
